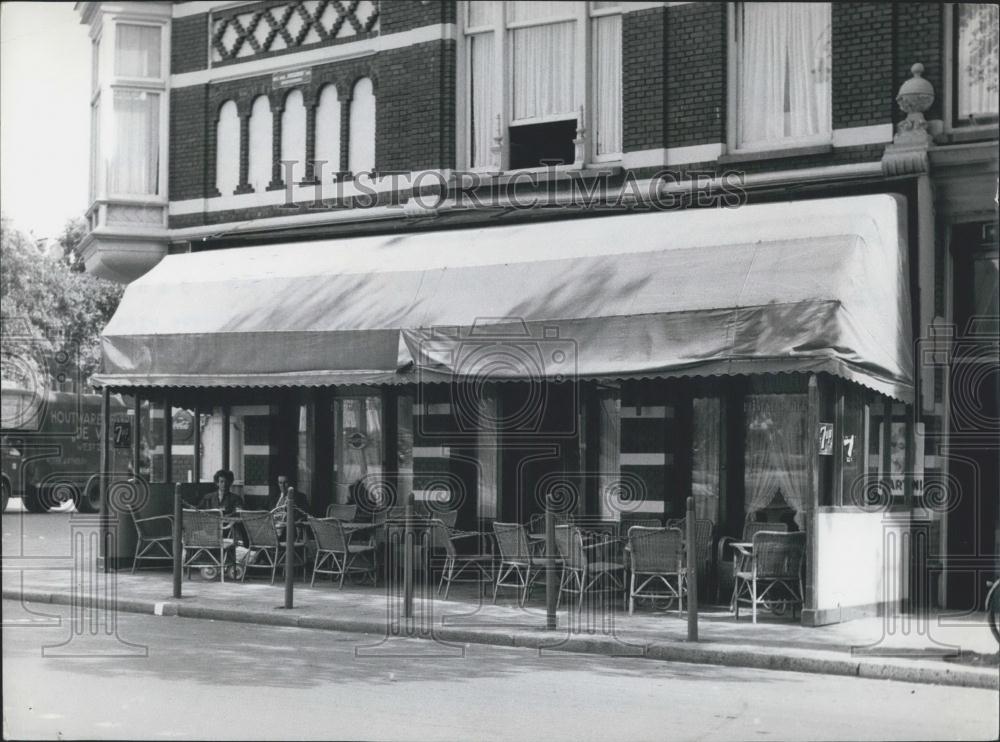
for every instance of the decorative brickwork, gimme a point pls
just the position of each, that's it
(643, 80)
(862, 64)
(266, 28)
(189, 140)
(696, 74)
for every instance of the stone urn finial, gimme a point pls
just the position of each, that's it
(915, 96)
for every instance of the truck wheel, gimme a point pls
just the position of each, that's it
(90, 500)
(34, 502)
(6, 494)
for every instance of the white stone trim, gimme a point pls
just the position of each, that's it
(858, 135)
(664, 157)
(635, 7)
(642, 459)
(318, 55)
(204, 6)
(305, 193)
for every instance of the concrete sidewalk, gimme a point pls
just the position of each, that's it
(943, 649)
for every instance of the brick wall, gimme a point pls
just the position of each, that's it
(189, 153)
(403, 15)
(696, 74)
(189, 43)
(643, 98)
(919, 38)
(862, 64)
(415, 107)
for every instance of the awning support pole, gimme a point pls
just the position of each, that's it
(136, 430)
(196, 476)
(551, 589)
(289, 547)
(408, 559)
(225, 437)
(691, 573)
(168, 441)
(105, 475)
(177, 546)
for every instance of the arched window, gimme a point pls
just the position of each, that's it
(328, 132)
(259, 175)
(293, 136)
(227, 149)
(361, 146)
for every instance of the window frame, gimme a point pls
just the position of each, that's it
(585, 93)
(733, 97)
(950, 102)
(111, 83)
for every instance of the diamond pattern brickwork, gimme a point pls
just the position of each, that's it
(267, 29)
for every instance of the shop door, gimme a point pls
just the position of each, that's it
(358, 466)
(974, 445)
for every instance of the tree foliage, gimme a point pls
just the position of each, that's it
(52, 312)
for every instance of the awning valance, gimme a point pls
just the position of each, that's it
(804, 286)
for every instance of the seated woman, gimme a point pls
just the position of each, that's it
(223, 498)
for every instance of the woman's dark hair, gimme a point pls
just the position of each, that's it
(228, 475)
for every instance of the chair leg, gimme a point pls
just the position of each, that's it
(753, 600)
(631, 595)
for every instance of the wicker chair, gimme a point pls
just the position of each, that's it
(771, 575)
(581, 573)
(154, 539)
(628, 520)
(729, 564)
(345, 513)
(655, 556)
(443, 540)
(262, 541)
(336, 555)
(201, 536)
(516, 560)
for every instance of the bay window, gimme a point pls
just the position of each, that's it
(975, 69)
(135, 162)
(782, 74)
(532, 96)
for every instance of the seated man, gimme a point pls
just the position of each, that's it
(222, 498)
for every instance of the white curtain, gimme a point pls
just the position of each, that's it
(978, 91)
(607, 77)
(484, 112)
(361, 142)
(784, 72)
(137, 50)
(705, 458)
(543, 70)
(135, 164)
(488, 443)
(537, 10)
(609, 454)
(261, 132)
(227, 149)
(328, 133)
(777, 445)
(293, 137)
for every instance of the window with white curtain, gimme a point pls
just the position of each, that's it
(293, 137)
(134, 166)
(977, 98)
(328, 132)
(137, 51)
(227, 149)
(361, 135)
(260, 134)
(782, 74)
(529, 78)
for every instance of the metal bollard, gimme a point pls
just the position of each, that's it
(408, 559)
(289, 547)
(178, 547)
(692, 572)
(551, 589)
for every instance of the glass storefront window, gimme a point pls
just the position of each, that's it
(182, 445)
(251, 448)
(776, 456)
(358, 455)
(705, 457)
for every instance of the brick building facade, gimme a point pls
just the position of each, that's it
(414, 80)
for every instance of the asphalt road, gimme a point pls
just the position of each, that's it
(219, 680)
